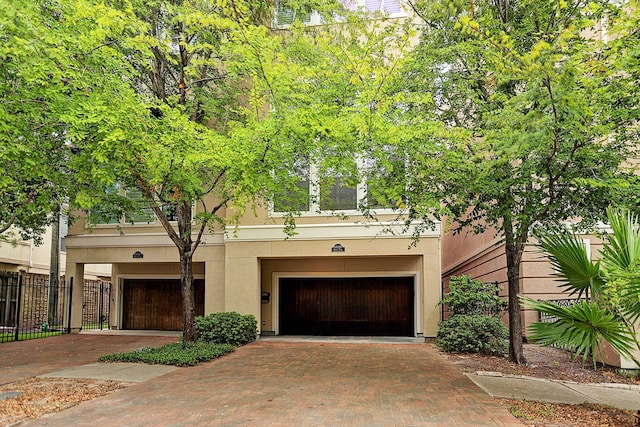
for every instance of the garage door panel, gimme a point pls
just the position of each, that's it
(347, 306)
(156, 304)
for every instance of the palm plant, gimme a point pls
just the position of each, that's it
(610, 286)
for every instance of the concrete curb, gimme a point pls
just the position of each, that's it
(122, 372)
(496, 384)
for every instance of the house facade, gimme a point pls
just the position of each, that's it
(334, 277)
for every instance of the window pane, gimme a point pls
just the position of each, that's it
(170, 212)
(109, 210)
(372, 5)
(391, 7)
(385, 172)
(286, 16)
(142, 213)
(64, 230)
(337, 195)
(296, 198)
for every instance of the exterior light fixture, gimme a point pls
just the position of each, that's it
(138, 254)
(337, 248)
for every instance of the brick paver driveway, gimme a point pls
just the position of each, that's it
(270, 383)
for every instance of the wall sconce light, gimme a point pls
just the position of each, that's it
(337, 248)
(138, 254)
(265, 297)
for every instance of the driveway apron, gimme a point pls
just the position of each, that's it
(300, 384)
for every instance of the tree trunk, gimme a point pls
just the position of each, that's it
(54, 272)
(514, 257)
(186, 248)
(188, 305)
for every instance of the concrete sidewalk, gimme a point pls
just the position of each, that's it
(121, 372)
(623, 396)
(496, 384)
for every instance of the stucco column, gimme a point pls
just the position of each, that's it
(432, 294)
(75, 279)
(214, 294)
(242, 281)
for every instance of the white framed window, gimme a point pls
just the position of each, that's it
(142, 214)
(330, 191)
(285, 16)
(109, 211)
(391, 8)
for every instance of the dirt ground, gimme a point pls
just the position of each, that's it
(551, 363)
(33, 397)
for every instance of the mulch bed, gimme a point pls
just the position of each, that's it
(34, 397)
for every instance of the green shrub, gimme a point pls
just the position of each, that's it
(468, 296)
(473, 334)
(474, 325)
(227, 328)
(179, 354)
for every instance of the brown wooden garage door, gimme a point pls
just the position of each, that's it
(373, 306)
(156, 303)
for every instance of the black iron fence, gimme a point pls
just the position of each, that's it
(31, 307)
(565, 302)
(96, 305)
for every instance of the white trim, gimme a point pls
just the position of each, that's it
(131, 240)
(277, 275)
(328, 231)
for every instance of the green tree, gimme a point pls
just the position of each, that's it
(539, 114)
(187, 103)
(609, 286)
(190, 124)
(32, 149)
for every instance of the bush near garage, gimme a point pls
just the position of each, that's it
(473, 334)
(474, 325)
(227, 328)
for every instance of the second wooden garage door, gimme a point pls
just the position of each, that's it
(156, 304)
(373, 306)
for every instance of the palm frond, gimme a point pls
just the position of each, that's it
(622, 251)
(568, 257)
(630, 297)
(580, 328)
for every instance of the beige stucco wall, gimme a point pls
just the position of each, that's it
(239, 265)
(263, 262)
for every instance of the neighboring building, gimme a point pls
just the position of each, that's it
(27, 299)
(482, 256)
(25, 256)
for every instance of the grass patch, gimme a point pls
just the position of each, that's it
(178, 354)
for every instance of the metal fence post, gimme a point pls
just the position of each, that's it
(70, 305)
(18, 307)
(100, 304)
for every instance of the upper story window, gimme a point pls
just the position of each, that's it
(323, 190)
(386, 7)
(285, 16)
(126, 206)
(141, 214)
